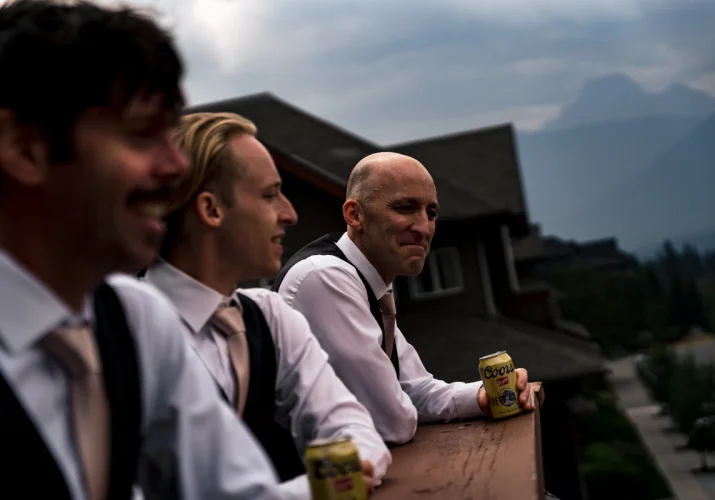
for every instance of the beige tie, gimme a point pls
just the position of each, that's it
(228, 320)
(387, 305)
(75, 350)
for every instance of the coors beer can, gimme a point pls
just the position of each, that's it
(334, 470)
(499, 379)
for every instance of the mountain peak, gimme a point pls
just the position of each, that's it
(617, 97)
(610, 86)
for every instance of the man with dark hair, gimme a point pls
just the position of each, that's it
(95, 383)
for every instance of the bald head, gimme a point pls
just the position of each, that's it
(378, 170)
(390, 211)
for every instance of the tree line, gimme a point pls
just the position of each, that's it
(650, 301)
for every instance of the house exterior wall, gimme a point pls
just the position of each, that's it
(497, 259)
(472, 298)
(318, 213)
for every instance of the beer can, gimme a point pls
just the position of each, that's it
(334, 470)
(499, 379)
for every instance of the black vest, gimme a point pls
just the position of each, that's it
(27, 467)
(326, 245)
(260, 411)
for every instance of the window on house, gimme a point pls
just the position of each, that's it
(441, 276)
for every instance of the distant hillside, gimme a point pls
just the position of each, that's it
(617, 97)
(566, 170)
(673, 198)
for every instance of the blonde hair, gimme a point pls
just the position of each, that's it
(203, 138)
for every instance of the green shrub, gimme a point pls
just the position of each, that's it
(614, 463)
(661, 363)
(689, 387)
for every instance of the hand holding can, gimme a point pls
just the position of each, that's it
(334, 470)
(499, 380)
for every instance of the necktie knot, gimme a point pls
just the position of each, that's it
(228, 321)
(387, 304)
(74, 349)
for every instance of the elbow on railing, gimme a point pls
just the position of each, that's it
(399, 429)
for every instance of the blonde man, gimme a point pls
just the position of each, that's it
(226, 223)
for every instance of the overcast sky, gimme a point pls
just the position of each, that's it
(393, 70)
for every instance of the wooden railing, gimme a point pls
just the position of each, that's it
(470, 460)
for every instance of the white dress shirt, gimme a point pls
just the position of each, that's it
(311, 400)
(331, 295)
(185, 425)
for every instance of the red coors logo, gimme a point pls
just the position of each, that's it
(502, 381)
(342, 484)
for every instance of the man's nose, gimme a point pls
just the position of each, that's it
(289, 216)
(423, 225)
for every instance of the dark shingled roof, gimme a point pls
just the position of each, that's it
(483, 162)
(294, 130)
(546, 354)
(316, 142)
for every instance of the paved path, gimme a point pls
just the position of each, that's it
(675, 465)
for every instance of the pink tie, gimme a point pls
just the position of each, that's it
(387, 305)
(75, 350)
(228, 320)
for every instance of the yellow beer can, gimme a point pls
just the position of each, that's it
(334, 470)
(499, 379)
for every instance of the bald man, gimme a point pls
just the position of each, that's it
(343, 286)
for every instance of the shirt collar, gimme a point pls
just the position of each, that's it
(28, 308)
(358, 259)
(194, 301)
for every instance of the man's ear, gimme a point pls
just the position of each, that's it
(353, 214)
(209, 210)
(23, 151)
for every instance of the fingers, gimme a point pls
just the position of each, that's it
(525, 390)
(369, 483)
(522, 378)
(526, 398)
(368, 474)
(483, 401)
(367, 468)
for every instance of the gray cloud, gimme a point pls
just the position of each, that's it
(394, 70)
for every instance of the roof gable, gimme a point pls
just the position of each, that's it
(472, 179)
(482, 162)
(303, 135)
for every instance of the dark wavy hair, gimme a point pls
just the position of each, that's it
(58, 59)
